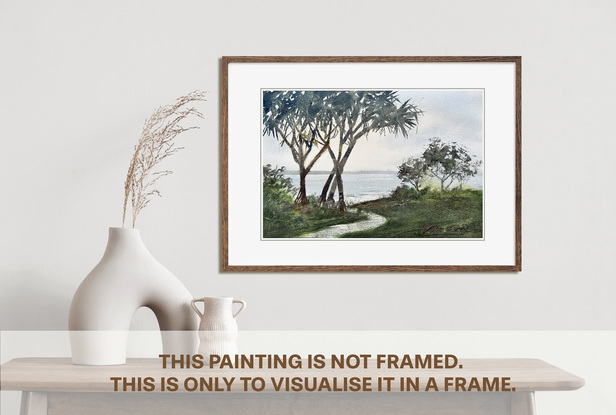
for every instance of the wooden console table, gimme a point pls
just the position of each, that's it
(55, 386)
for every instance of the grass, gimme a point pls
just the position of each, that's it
(454, 214)
(293, 223)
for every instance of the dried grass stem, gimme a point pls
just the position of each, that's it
(155, 145)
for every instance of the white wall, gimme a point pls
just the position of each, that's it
(77, 80)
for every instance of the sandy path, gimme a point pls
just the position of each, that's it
(373, 221)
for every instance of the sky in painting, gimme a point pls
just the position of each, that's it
(451, 114)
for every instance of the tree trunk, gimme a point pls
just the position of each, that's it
(341, 204)
(332, 190)
(328, 182)
(329, 189)
(302, 199)
(337, 171)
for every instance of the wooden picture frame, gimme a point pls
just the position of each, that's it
(245, 246)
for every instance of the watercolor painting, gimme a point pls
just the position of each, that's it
(373, 164)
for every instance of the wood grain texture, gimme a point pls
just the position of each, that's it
(518, 163)
(274, 404)
(224, 163)
(366, 59)
(60, 375)
(369, 268)
(225, 267)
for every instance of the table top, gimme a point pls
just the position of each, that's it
(60, 375)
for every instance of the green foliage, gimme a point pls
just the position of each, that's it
(404, 192)
(443, 161)
(413, 171)
(449, 162)
(375, 111)
(309, 122)
(276, 184)
(318, 217)
(357, 114)
(456, 214)
(278, 197)
(282, 219)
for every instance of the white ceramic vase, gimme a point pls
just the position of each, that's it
(218, 328)
(127, 278)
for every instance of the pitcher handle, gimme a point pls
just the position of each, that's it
(194, 306)
(243, 306)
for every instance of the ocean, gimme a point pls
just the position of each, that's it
(361, 186)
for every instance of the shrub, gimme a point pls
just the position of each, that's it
(405, 192)
(278, 201)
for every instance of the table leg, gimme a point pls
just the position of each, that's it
(523, 403)
(33, 403)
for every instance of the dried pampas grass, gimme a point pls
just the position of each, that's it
(156, 144)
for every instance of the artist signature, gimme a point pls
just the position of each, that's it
(439, 227)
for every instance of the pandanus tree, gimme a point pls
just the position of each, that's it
(356, 114)
(299, 120)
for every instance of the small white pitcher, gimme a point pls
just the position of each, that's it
(218, 329)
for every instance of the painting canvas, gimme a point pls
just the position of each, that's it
(371, 164)
(400, 163)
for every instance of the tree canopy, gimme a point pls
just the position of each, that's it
(447, 162)
(311, 123)
(298, 119)
(413, 171)
(356, 114)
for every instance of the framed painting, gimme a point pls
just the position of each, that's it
(371, 164)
